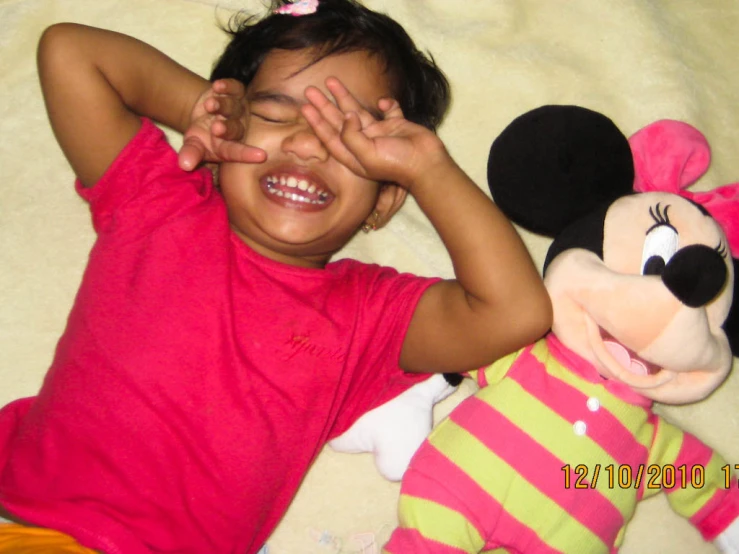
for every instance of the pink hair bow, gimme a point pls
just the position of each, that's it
(670, 156)
(303, 7)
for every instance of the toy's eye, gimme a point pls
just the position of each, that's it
(660, 244)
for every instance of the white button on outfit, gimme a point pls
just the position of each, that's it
(593, 404)
(580, 428)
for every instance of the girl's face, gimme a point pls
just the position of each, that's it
(301, 205)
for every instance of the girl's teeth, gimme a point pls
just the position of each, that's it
(299, 184)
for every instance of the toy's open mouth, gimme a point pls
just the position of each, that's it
(626, 357)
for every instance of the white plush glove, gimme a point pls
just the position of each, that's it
(395, 430)
(728, 541)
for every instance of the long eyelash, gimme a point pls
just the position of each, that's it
(267, 119)
(660, 217)
(721, 249)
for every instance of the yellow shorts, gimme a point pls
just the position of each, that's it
(19, 539)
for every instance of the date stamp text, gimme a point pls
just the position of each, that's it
(653, 476)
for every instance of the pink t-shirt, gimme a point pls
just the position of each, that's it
(196, 380)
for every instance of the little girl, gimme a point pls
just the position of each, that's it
(213, 348)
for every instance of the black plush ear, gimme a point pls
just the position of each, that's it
(454, 379)
(586, 233)
(555, 164)
(731, 326)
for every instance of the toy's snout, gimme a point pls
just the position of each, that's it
(648, 306)
(696, 274)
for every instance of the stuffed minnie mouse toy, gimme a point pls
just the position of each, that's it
(559, 444)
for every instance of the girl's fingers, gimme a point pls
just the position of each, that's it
(329, 111)
(347, 102)
(390, 108)
(191, 153)
(227, 103)
(326, 131)
(331, 138)
(235, 152)
(227, 129)
(226, 106)
(355, 141)
(230, 87)
(194, 152)
(344, 98)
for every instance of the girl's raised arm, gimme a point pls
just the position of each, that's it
(96, 83)
(497, 303)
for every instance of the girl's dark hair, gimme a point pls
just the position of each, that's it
(341, 26)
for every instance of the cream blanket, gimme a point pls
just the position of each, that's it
(634, 60)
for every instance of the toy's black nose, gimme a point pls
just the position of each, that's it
(695, 275)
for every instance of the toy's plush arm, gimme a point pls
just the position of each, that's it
(395, 430)
(710, 497)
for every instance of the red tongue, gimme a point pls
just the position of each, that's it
(624, 359)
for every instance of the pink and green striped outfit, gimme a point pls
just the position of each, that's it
(490, 477)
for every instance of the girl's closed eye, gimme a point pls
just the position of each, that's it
(268, 119)
(277, 109)
(280, 116)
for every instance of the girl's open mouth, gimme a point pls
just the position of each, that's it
(296, 191)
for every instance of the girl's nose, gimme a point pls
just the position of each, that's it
(304, 144)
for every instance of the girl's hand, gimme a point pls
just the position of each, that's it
(390, 148)
(218, 123)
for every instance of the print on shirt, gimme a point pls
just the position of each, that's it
(302, 345)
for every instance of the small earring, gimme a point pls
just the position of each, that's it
(367, 227)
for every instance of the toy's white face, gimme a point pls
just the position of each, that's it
(649, 314)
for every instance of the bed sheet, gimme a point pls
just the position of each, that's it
(635, 60)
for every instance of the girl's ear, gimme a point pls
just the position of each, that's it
(389, 200)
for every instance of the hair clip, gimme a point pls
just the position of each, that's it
(302, 7)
